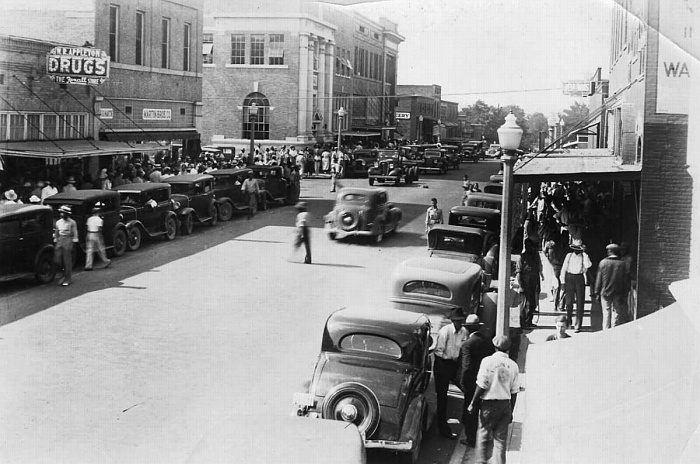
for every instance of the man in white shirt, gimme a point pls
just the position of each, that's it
(64, 239)
(573, 274)
(251, 190)
(94, 242)
(497, 387)
(302, 231)
(48, 191)
(446, 367)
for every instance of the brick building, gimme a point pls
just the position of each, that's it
(423, 116)
(153, 91)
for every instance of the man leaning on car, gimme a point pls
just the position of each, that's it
(447, 348)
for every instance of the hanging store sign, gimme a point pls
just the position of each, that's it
(106, 113)
(153, 114)
(578, 88)
(77, 65)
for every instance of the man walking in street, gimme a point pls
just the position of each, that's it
(433, 215)
(612, 286)
(251, 190)
(65, 236)
(474, 350)
(446, 367)
(302, 231)
(497, 387)
(573, 274)
(94, 242)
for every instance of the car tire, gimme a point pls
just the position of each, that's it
(134, 239)
(119, 242)
(187, 225)
(416, 173)
(360, 396)
(371, 181)
(332, 235)
(45, 269)
(170, 228)
(225, 211)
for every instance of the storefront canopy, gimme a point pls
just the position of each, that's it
(360, 134)
(149, 135)
(627, 395)
(63, 149)
(596, 164)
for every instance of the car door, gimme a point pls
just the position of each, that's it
(11, 246)
(35, 232)
(151, 211)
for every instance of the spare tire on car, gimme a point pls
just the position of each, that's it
(355, 403)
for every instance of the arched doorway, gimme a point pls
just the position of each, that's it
(256, 116)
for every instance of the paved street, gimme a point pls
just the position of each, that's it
(138, 362)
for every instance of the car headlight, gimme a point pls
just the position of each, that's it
(391, 166)
(376, 165)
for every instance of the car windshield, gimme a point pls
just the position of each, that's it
(375, 344)
(355, 198)
(130, 198)
(462, 243)
(183, 189)
(426, 287)
(470, 221)
(431, 154)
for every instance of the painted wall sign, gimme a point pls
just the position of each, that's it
(77, 65)
(403, 115)
(106, 113)
(153, 114)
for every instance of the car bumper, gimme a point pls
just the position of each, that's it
(383, 178)
(430, 169)
(390, 444)
(340, 233)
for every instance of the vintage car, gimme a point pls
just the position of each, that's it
(391, 167)
(26, 242)
(436, 286)
(472, 151)
(472, 216)
(484, 200)
(374, 371)
(494, 151)
(362, 212)
(273, 185)
(470, 244)
(434, 160)
(227, 191)
(82, 203)
(194, 200)
(497, 178)
(260, 439)
(147, 209)
(453, 153)
(362, 160)
(493, 187)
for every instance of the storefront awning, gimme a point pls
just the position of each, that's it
(149, 135)
(360, 134)
(574, 165)
(628, 394)
(64, 149)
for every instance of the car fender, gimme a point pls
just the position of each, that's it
(394, 172)
(44, 249)
(412, 421)
(186, 211)
(135, 223)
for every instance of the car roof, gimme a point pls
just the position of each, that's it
(440, 269)
(486, 196)
(8, 210)
(229, 171)
(475, 211)
(187, 178)
(80, 196)
(360, 191)
(385, 321)
(465, 230)
(141, 187)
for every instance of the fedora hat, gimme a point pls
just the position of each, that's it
(457, 315)
(576, 244)
(65, 209)
(473, 321)
(11, 195)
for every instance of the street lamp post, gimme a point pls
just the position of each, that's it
(509, 135)
(439, 130)
(420, 129)
(252, 119)
(341, 115)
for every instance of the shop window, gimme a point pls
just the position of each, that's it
(33, 126)
(128, 109)
(256, 116)
(16, 127)
(3, 126)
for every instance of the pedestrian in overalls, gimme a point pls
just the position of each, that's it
(65, 236)
(94, 241)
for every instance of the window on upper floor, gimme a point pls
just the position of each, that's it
(186, 47)
(257, 49)
(276, 50)
(165, 43)
(114, 33)
(140, 34)
(208, 48)
(237, 49)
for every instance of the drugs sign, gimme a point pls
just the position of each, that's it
(77, 65)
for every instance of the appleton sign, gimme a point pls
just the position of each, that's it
(77, 65)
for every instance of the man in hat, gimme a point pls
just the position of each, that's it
(251, 190)
(302, 234)
(11, 198)
(477, 347)
(561, 327)
(612, 285)
(433, 215)
(105, 182)
(48, 191)
(70, 185)
(446, 366)
(573, 274)
(94, 242)
(497, 387)
(65, 236)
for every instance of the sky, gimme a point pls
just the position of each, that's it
(500, 51)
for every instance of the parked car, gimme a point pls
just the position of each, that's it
(273, 185)
(26, 242)
(374, 371)
(390, 167)
(147, 209)
(453, 153)
(498, 178)
(259, 439)
(82, 203)
(494, 151)
(472, 216)
(362, 160)
(493, 187)
(434, 160)
(227, 191)
(473, 150)
(469, 244)
(484, 200)
(194, 200)
(362, 212)
(436, 286)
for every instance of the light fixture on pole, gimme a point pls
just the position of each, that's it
(419, 135)
(439, 127)
(341, 115)
(252, 119)
(509, 135)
